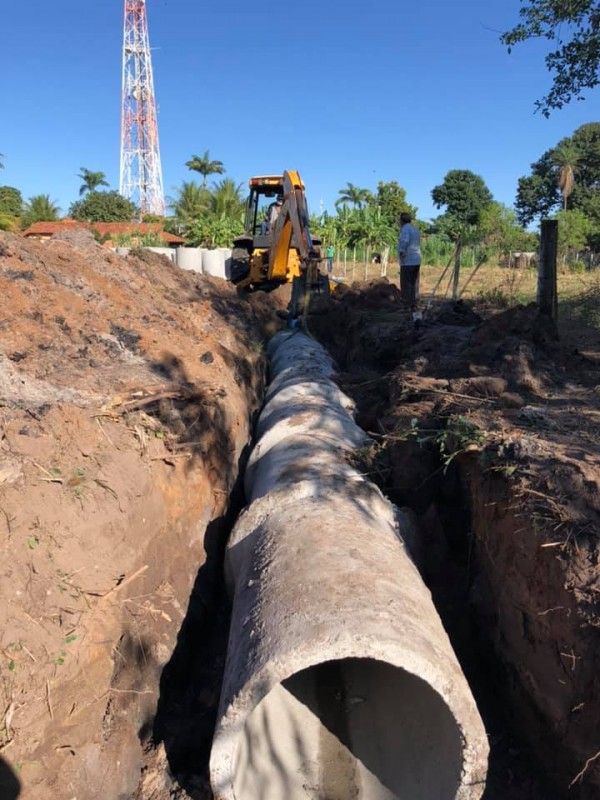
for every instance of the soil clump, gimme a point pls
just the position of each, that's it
(487, 425)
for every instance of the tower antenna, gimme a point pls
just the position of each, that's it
(140, 176)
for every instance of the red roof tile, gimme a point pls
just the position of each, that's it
(102, 228)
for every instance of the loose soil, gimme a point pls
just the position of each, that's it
(487, 425)
(128, 389)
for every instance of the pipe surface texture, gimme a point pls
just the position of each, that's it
(340, 680)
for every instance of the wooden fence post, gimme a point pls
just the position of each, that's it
(547, 294)
(456, 274)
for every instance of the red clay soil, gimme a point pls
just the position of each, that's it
(488, 426)
(127, 388)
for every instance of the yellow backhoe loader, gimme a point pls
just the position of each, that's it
(277, 246)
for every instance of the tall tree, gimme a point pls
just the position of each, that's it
(574, 229)
(1, 161)
(390, 199)
(354, 195)
(500, 231)
(103, 207)
(465, 196)
(574, 29)
(91, 180)
(227, 199)
(191, 202)
(538, 194)
(11, 201)
(40, 208)
(566, 158)
(205, 166)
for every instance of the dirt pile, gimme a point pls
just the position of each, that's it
(126, 392)
(489, 428)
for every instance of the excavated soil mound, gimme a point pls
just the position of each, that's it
(488, 426)
(127, 388)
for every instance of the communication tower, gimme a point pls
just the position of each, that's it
(140, 175)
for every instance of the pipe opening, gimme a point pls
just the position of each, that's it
(354, 728)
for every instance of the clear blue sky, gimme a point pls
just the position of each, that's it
(341, 91)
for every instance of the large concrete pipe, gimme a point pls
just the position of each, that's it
(189, 258)
(340, 681)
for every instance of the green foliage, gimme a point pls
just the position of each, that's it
(226, 199)
(436, 248)
(103, 207)
(459, 436)
(205, 166)
(566, 157)
(39, 208)
(574, 165)
(208, 217)
(353, 195)
(370, 227)
(91, 180)
(150, 239)
(8, 223)
(152, 218)
(390, 199)
(573, 28)
(538, 193)
(191, 202)
(213, 231)
(11, 201)
(465, 196)
(1, 161)
(573, 231)
(501, 233)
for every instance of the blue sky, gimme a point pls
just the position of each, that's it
(341, 91)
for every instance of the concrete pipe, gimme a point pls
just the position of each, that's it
(340, 681)
(169, 252)
(213, 263)
(189, 258)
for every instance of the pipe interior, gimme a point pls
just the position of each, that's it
(354, 728)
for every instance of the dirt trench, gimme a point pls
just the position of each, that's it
(128, 390)
(487, 426)
(127, 394)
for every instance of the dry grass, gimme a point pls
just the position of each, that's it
(498, 285)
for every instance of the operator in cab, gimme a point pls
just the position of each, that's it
(272, 214)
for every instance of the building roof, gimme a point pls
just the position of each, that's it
(103, 229)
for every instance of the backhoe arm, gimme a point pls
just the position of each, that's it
(292, 222)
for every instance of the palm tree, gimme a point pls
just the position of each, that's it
(205, 166)
(1, 162)
(40, 209)
(354, 195)
(91, 180)
(192, 202)
(227, 199)
(566, 158)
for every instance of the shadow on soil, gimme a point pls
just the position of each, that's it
(10, 786)
(191, 682)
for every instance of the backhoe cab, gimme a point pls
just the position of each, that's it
(277, 246)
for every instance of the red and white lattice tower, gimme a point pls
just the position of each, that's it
(141, 175)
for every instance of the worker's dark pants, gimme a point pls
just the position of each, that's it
(409, 285)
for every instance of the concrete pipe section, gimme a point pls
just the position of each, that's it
(340, 681)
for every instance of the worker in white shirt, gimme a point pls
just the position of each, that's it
(409, 256)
